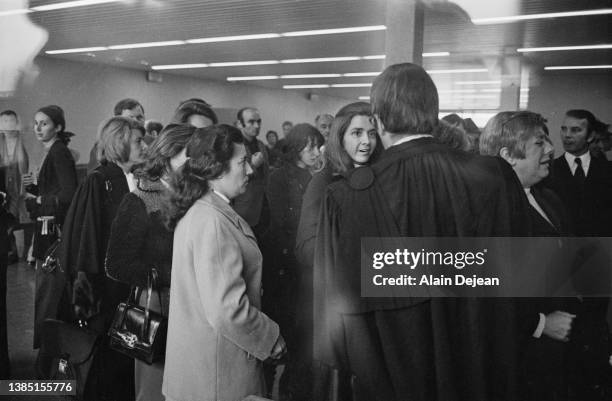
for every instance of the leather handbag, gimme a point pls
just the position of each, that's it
(67, 352)
(138, 331)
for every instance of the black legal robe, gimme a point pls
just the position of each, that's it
(416, 348)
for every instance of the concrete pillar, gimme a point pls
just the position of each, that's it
(404, 36)
(510, 83)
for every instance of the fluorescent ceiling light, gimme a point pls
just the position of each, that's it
(178, 66)
(515, 18)
(243, 63)
(16, 11)
(478, 83)
(578, 67)
(457, 71)
(361, 74)
(69, 4)
(300, 76)
(364, 85)
(80, 50)
(253, 78)
(560, 48)
(363, 98)
(375, 57)
(336, 30)
(234, 38)
(319, 60)
(436, 54)
(147, 44)
(305, 86)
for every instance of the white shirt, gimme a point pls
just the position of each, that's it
(571, 162)
(536, 206)
(409, 138)
(225, 198)
(130, 181)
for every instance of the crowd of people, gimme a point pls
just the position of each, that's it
(257, 248)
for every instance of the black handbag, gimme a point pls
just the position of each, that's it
(67, 352)
(139, 332)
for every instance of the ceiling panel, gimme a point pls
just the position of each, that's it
(447, 28)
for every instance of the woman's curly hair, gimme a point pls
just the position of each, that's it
(209, 152)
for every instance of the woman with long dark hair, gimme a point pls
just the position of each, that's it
(140, 241)
(47, 199)
(217, 335)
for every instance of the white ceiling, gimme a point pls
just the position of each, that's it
(447, 28)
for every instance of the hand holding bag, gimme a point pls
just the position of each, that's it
(139, 332)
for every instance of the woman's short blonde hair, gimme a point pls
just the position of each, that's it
(114, 139)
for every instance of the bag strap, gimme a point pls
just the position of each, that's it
(152, 279)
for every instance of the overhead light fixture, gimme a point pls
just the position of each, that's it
(234, 38)
(315, 86)
(80, 50)
(178, 66)
(436, 54)
(70, 4)
(243, 63)
(335, 31)
(457, 71)
(363, 98)
(253, 78)
(319, 60)
(579, 67)
(361, 74)
(16, 11)
(147, 44)
(305, 76)
(478, 83)
(561, 48)
(515, 18)
(374, 57)
(364, 85)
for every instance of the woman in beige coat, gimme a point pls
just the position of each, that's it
(217, 335)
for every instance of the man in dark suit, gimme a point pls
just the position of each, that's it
(583, 182)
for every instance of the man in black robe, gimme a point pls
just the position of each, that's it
(414, 348)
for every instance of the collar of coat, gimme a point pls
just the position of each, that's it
(215, 201)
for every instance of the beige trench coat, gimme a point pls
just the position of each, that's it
(217, 335)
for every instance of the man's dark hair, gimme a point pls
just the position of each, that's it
(126, 104)
(580, 114)
(405, 99)
(8, 113)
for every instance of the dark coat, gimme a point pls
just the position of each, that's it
(252, 204)
(590, 208)
(139, 240)
(86, 234)
(555, 370)
(57, 181)
(460, 349)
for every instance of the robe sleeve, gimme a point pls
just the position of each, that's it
(58, 203)
(124, 259)
(81, 236)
